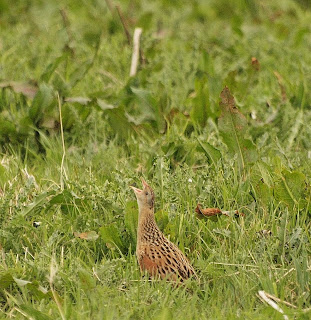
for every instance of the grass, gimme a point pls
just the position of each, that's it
(68, 216)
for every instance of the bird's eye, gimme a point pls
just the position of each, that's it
(146, 193)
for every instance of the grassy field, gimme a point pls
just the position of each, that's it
(218, 113)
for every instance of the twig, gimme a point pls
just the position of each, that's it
(62, 169)
(96, 275)
(135, 55)
(279, 300)
(287, 273)
(21, 312)
(250, 253)
(271, 303)
(124, 24)
(62, 257)
(245, 265)
(235, 265)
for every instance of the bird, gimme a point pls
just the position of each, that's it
(156, 255)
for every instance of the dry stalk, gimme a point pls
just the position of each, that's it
(271, 303)
(124, 24)
(135, 55)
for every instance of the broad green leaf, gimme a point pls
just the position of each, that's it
(60, 84)
(63, 197)
(290, 188)
(262, 182)
(131, 220)
(119, 122)
(149, 107)
(263, 192)
(66, 199)
(232, 126)
(207, 72)
(7, 128)
(200, 110)
(211, 152)
(206, 63)
(72, 113)
(147, 100)
(43, 99)
(38, 202)
(79, 73)
(6, 279)
(49, 70)
(200, 104)
(265, 173)
(111, 234)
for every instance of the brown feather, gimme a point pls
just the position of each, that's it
(156, 255)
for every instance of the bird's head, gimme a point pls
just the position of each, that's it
(145, 197)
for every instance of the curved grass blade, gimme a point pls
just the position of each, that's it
(232, 127)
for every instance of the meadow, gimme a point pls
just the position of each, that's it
(218, 113)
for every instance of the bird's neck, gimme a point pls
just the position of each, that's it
(145, 220)
(145, 214)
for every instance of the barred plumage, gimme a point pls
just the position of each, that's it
(155, 253)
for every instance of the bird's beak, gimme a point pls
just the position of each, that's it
(136, 190)
(145, 184)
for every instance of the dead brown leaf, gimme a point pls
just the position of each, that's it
(208, 212)
(255, 64)
(212, 212)
(227, 102)
(28, 90)
(265, 233)
(89, 235)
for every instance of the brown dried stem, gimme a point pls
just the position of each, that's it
(124, 24)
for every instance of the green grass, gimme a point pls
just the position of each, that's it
(166, 124)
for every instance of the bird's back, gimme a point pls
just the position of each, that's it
(156, 254)
(159, 256)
